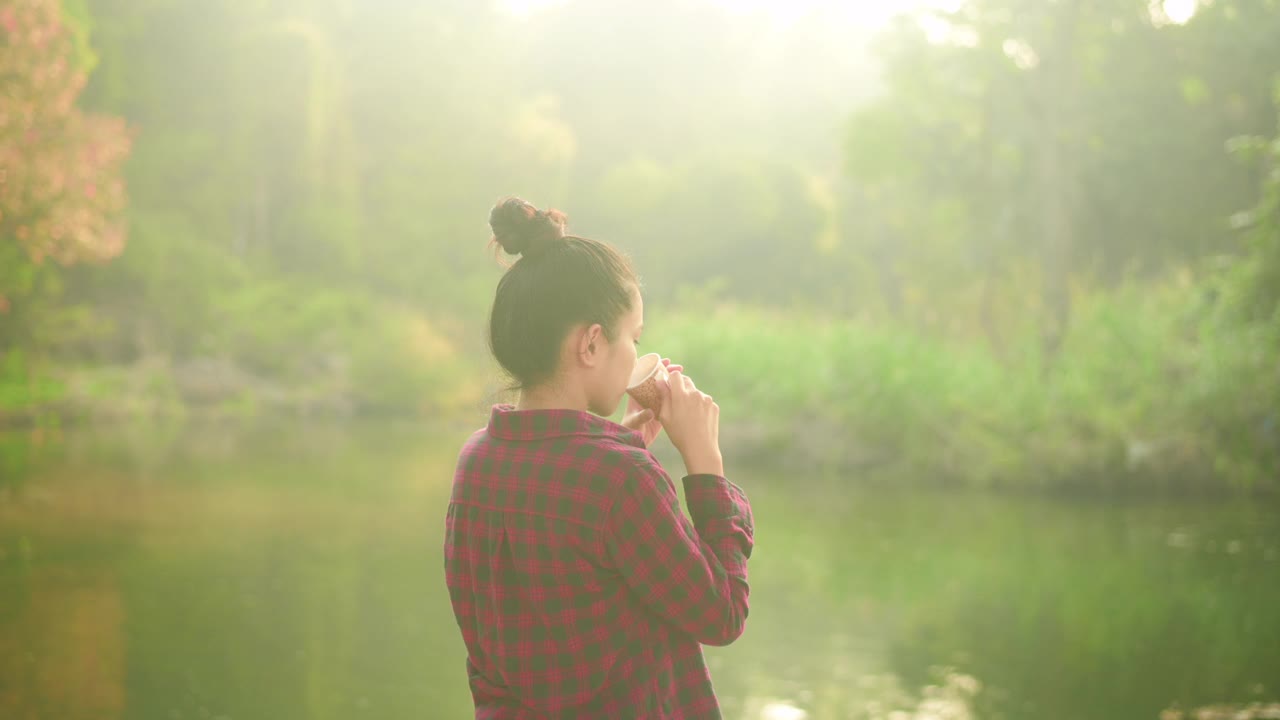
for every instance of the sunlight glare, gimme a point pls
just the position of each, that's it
(526, 8)
(781, 14)
(1180, 12)
(784, 13)
(782, 711)
(1022, 54)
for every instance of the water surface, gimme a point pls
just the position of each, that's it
(295, 573)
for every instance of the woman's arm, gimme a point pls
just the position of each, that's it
(694, 575)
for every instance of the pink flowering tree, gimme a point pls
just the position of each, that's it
(62, 195)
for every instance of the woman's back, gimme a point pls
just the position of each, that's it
(564, 554)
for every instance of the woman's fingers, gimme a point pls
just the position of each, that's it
(679, 382)
(674, 386)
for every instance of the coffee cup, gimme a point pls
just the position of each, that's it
(646, 381)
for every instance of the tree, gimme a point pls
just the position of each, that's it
(1062, 145)
(61, 191)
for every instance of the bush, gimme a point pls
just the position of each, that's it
(339, 346)
(1132, 398)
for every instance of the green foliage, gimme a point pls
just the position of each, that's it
(1253, 292)
(28, 396)
(1238, 396)
(339, 347)
(1131, 401)
(1074, 138)
(23, 387)
(79, 19)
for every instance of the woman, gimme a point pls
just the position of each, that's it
(580, 588)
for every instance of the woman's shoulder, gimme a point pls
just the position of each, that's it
(475, 443)
(609, 465)
(590, 450)
(637, 466)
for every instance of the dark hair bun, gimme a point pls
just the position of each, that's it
(520, 228)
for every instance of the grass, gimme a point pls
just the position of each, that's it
(1146, 391)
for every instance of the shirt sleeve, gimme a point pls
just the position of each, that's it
(694, 575)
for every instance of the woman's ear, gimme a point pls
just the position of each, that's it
(587, 342)
(593, 335)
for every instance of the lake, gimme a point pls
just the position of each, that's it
(282, 573)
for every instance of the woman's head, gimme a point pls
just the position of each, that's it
(567, 313)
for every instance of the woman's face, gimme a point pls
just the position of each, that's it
(618, 359)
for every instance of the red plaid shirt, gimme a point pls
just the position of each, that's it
(580, 588)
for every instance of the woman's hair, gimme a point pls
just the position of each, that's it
(558, 282)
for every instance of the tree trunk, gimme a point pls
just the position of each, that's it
(1056, 175)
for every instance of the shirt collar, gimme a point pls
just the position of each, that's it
(507, 423)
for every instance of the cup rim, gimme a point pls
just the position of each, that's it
(652, 371)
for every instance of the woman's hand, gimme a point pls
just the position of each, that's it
(692, 421)
(643, 420)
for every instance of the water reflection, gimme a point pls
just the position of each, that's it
(779, 710)
(877, 697)
(282, 574)
(1253, 711)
